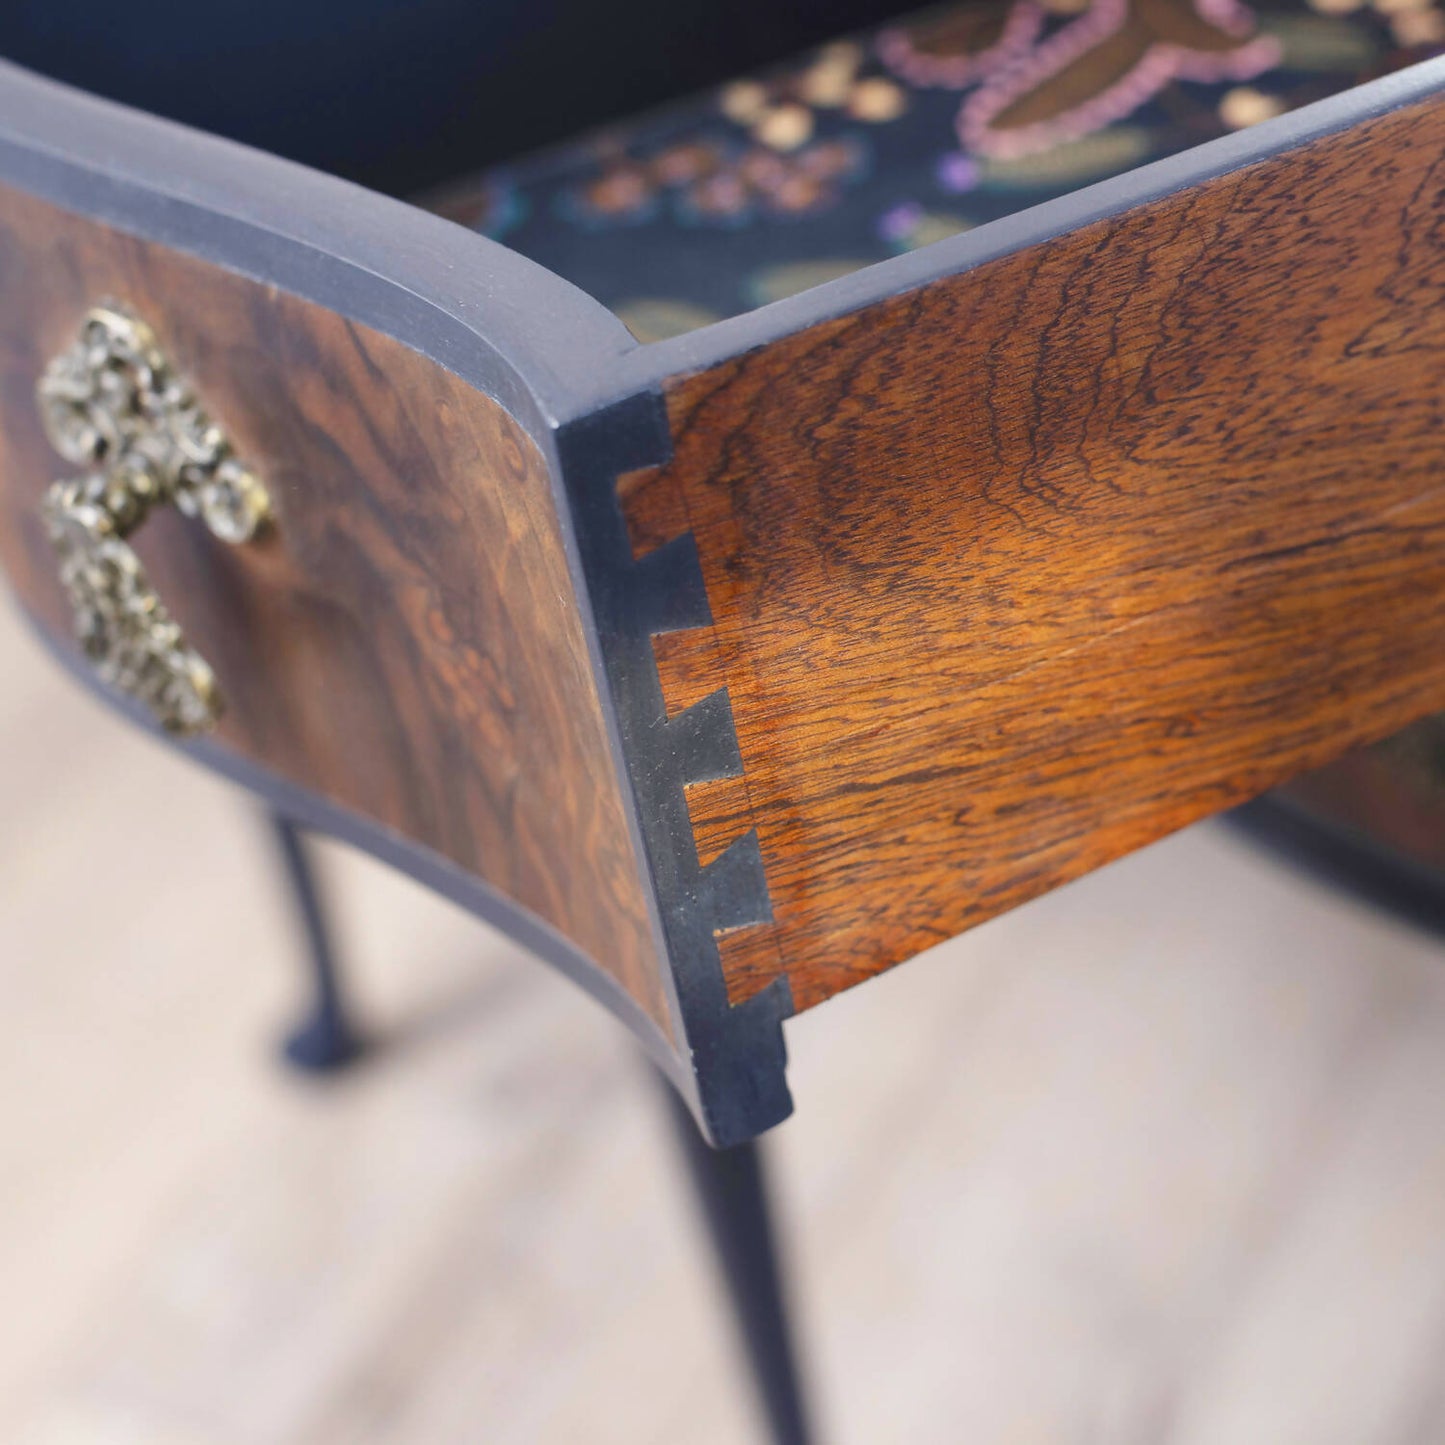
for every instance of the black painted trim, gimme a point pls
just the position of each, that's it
(738, 1054)
(503, 324)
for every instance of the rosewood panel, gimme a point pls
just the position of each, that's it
(406, 641)
(1021, 570)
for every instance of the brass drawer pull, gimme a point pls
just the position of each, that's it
(113, 404)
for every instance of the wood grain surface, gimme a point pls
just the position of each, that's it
(1019, 571)
(406, 641)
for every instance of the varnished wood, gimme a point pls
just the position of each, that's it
(406, 643)
(1023, 569)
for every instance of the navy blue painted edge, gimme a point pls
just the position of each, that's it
(739, 1060)
(427, 867)
(511, 328)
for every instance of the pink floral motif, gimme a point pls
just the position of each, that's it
(901, 51)
(1161, 62)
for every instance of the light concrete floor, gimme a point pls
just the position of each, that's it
(1159, 1158)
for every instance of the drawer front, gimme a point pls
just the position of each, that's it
(402, 638)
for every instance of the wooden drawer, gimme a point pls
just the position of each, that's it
(730, 670)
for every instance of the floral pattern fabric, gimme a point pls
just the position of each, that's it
(885, 142)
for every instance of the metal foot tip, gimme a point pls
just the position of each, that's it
(321, 1046)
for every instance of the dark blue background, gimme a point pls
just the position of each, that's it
(402, 94)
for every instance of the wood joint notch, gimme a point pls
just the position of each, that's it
(681, 750)
(692, 675)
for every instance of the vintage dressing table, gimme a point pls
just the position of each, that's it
(992, 441)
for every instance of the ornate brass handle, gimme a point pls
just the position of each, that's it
(113, 404)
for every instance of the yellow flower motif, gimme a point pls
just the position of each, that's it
(877, 100)
(785, 127)
(1245, 106)
(781, 113)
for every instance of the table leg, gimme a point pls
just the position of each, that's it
(731, 1189)
(325, 1039)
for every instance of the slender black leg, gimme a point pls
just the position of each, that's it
(325, 1040)
(731, 1189)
